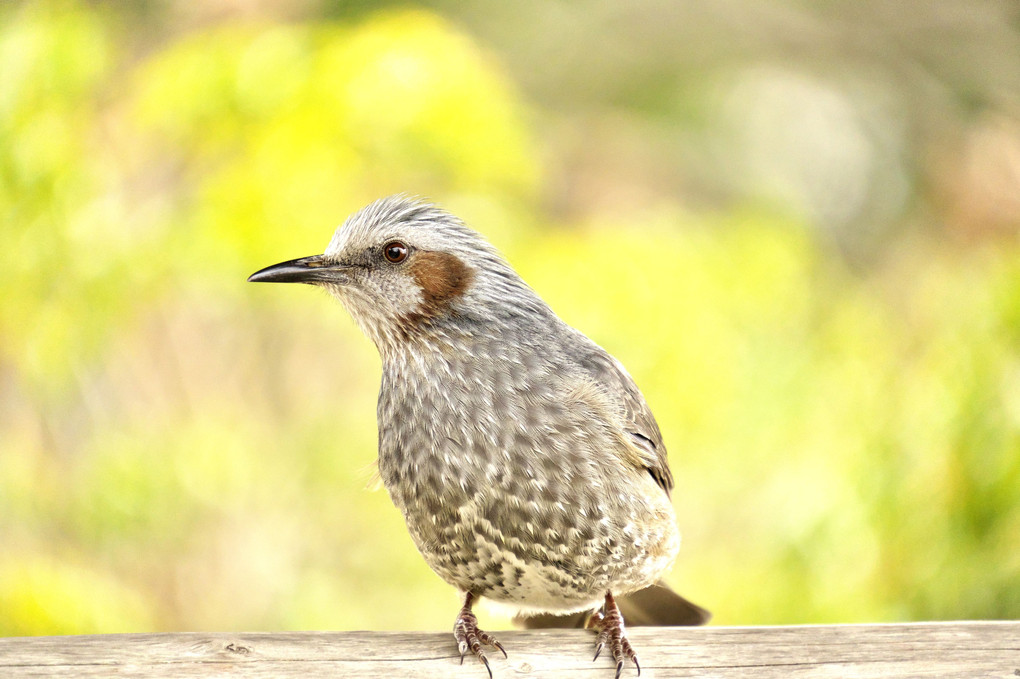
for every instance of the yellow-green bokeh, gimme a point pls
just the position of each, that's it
(180, 450)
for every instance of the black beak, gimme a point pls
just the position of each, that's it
(315, 269)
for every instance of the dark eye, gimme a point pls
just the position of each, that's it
(395, 252)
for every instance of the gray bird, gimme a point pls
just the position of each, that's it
(526, 463)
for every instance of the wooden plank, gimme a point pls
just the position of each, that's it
(958, 649)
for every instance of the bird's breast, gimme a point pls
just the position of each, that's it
(488, 458)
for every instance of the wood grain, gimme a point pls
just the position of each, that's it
(957, 649)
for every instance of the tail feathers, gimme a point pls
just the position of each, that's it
(660, 606)
(655, 606)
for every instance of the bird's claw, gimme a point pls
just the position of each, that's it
(610, 629)
(470, 638)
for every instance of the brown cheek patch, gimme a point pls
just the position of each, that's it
(442, 277)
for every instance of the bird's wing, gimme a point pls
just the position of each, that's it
(643, 440)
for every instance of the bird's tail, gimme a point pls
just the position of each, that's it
(655, 606)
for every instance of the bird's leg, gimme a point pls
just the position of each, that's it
(469, 637)
(608, 623)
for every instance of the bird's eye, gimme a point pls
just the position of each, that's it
(395, 252)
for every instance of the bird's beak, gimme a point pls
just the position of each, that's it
(315, 269)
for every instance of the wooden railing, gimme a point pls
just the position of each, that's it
(952, 649)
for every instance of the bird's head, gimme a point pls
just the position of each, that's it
(403, 269)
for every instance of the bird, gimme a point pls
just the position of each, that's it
(527, 465)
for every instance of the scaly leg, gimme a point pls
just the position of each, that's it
(608, 623)
(469, 637)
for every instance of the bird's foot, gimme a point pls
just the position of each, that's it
(469, 637)
(608, 623)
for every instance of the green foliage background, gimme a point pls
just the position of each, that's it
(812, 272)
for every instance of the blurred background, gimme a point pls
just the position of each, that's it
(797, 224)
